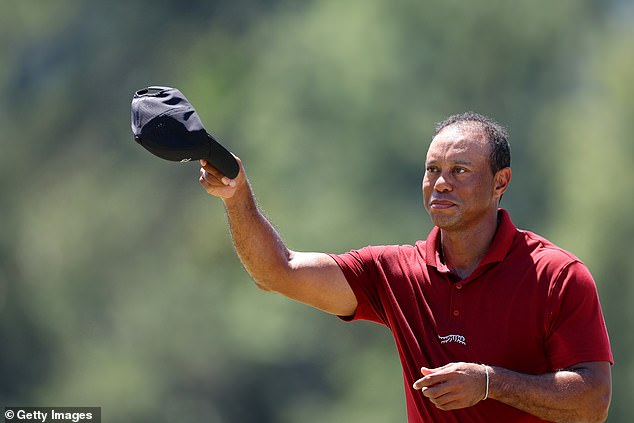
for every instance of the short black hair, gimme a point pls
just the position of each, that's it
(496, 134)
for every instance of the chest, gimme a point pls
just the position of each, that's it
(498, 316)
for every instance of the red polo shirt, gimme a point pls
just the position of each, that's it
(529, 306)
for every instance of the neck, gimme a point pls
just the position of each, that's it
(463, 250)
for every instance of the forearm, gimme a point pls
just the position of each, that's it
(565, 396)
(311, 278)
(257, 242)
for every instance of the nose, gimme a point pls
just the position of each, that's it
(442, 184)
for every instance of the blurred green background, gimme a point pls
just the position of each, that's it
(119, 287)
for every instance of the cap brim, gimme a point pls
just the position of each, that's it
(222, 159)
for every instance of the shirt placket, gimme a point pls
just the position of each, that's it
(456, 302)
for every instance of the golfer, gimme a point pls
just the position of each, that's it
(491, 323)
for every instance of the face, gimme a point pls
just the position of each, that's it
(459, 189)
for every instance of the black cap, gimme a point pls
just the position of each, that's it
(166, 125)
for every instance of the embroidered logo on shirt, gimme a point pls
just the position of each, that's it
(453, 338)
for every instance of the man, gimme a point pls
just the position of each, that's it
(491, 323)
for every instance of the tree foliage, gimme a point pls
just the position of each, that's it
(118, 284)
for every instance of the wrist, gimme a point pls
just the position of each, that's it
(487, 374)
(241, 198)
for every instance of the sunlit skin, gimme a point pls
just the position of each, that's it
(462, 195)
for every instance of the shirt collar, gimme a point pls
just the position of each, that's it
(499, 248)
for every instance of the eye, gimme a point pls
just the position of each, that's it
(459, 170)
(431, 169)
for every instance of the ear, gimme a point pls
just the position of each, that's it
(501, 181)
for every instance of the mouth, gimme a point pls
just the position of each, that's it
(441, 204)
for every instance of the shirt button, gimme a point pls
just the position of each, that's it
(456, 313)
(458, 286)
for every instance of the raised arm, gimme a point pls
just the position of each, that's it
(311, 278)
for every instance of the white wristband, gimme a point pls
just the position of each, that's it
(486, 391)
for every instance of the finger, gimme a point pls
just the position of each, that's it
(219, 175)
(216, 189)
(206, 183)
(430, 380)
(211, 169)
(436, 392)
(426, 382)
(213, 176)
(447, 398)
(208, 178)
(426, 371)
(446, 404)
(421, 383)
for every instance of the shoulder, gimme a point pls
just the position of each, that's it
(403, 252)
(559, 266)
(544, 251)
(386, 255)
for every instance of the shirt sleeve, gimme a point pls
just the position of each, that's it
(360, 270)
(577, 330)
